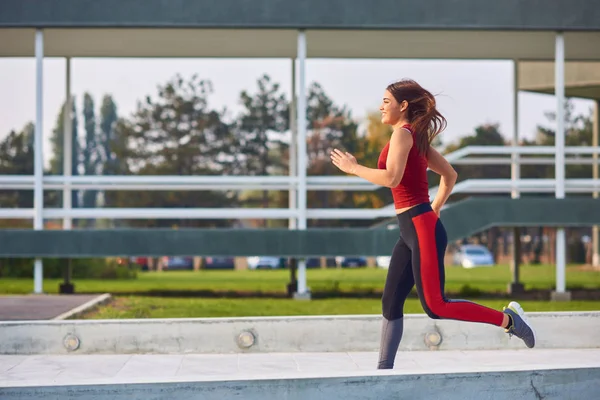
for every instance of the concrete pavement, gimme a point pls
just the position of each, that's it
(483, 374)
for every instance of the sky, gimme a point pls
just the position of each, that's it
(469, 93)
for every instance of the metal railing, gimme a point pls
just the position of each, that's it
(313, 183)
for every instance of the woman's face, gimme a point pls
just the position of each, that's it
(391, 110)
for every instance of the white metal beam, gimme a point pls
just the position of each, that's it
(509, 150)
(523, 161)
(26, 182)
(169, 182)
(15, 182)
(559, 76)
(595, 137)
(468, 186)
(515, 172)
(301, 120)
(293, 150)
(67, 144)
(38, 164)
(302, 291)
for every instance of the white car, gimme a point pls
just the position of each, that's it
(473, 255)
(264, 262)
(383, 261)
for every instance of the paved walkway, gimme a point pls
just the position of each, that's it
(40, 370)
(40, 307)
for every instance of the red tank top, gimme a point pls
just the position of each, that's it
(413, 188)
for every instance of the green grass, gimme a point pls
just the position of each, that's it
(494, 279)
(139, 298)
(153, 307)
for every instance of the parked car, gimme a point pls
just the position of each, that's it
(141, 261)
(315, 262)
(383, 261)
(266, 262)
(473, 255)
(174, 263)
(351, 261)
(219, 263)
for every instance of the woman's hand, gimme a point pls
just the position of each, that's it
(344, 161)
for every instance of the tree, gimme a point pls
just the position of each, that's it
(109, 142)
(330, 126)
(117, 157)
(485, 135)
(90, 152)
(177, 134)
(112, 145)
(578, 132)
(16, 158)
(376, 136)
(259, 132)
(57, 145)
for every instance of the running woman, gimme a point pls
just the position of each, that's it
(418, 256)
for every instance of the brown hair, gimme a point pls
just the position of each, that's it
(427, 122)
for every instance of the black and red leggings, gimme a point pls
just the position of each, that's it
(418, 258)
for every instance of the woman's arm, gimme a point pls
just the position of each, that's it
(400, 145)
(438, 164)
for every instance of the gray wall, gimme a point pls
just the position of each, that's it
(284, 334)
(346, 14)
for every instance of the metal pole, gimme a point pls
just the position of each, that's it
(515, 286)
(293, 147)
(292, 198)
(67, 286)
(67, 146)
(595, 135)
(559, 76)
(302, 292)
(38, 163)
(515, 170)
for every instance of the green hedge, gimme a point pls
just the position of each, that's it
(83, 268)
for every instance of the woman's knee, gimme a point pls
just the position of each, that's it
(390, 309)
(433, 309)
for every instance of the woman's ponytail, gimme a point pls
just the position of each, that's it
(426, 121)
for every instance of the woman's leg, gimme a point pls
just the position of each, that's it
(428, 242)
(398, 285)
(428, 247)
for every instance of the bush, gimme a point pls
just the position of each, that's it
(467, 290)
(576, 250)
(83, 268)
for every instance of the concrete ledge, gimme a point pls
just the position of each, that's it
(560, 296)
(77, 311)
(283, 334)
(577, 383)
